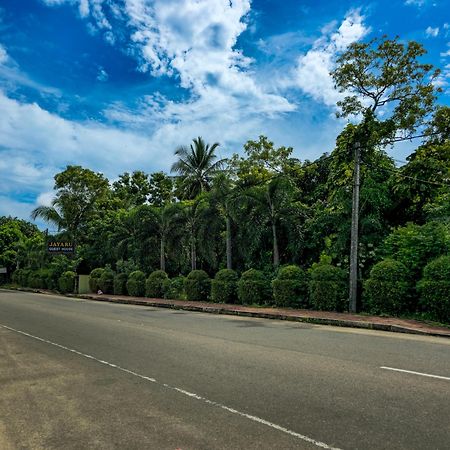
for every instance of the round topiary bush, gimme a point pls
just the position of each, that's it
(197, 285)
(434, 289)
(290, 288)
(66, 282)
(327, 287)
(154, 286)
(136, 284)
(254, 288)
(388, 289)
(94, 279)
(174, 288)
(224, 286)
(120, 284)
(106, 281)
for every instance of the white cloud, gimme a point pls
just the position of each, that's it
(312, 74)
(45, 198)
(432, 32)
(417, 3)
(102, 74)
(3, 54)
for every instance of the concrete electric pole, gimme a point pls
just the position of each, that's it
(353, 290)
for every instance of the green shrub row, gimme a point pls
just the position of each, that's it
(45, 279)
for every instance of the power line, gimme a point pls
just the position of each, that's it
(397, 172)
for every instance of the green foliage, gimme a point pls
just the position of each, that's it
(386, 73)
(434, 289)
(290, 287)
(66, 282)
(154, 285)
(224, 286)
(106, 281)
(197, 285)
(327, 287)
(388, 289)
(254, 288)
(94, 279)
(416, 245)
(120, 284)
(136, 284)
(174, 288)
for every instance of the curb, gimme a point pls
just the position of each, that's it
(261, 315)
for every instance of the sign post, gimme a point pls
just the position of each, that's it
(61, 247)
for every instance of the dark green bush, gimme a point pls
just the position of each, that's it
(388, 289)
(35, 280)
(290, 288)
(327, 287)
(24, 277)
(224, 286)
(16, 275)
(66, 282)
(434, 289)
(106, 281)
(94, 279)
(120, 284)
(254, 288)
(174, 288)
(197, 285)
(154, 286)
(136, 284)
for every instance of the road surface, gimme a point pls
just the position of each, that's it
(78, 374)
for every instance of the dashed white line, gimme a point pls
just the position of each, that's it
(416, 373)
(181, 391)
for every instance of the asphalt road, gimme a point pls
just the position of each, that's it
(77, 374)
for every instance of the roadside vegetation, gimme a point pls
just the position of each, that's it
(264, 227)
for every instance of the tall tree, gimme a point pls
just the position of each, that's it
(79, 193)
(196, 166)
(132, 189)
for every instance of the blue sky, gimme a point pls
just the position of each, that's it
(116, 85)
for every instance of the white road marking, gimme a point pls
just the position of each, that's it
(416, 373)
(182, 391)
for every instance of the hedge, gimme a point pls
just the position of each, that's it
(106, 281)
(388, 289)
(174, 288)
(136, 284)
(154, 285)
(224, 286)
(254, 288)
(66, 282)
(434, 289)
(120, 284)
(197, 285)
(94, 279)
(327, 287)
(290, 288)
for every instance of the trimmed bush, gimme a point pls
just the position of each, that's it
(136, 284)
(290, 288)
(254, 288)
(388, 289)
(154, 286)
(174, 288)
(224, 286)
(106, 281)
(94, 279)
(120, 284)
(66, 282)
(327, 287)
(434, 289)
(197, 285)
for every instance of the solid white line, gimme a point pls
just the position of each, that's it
(416, 373)
(181, 391)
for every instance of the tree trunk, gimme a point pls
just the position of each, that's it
(162, 256)
(229, 246)
(193, 255)
(276, 254)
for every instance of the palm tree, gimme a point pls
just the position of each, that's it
(196, 166)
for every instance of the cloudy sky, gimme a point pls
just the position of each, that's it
(116, 85)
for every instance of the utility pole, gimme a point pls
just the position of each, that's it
(353, 291)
